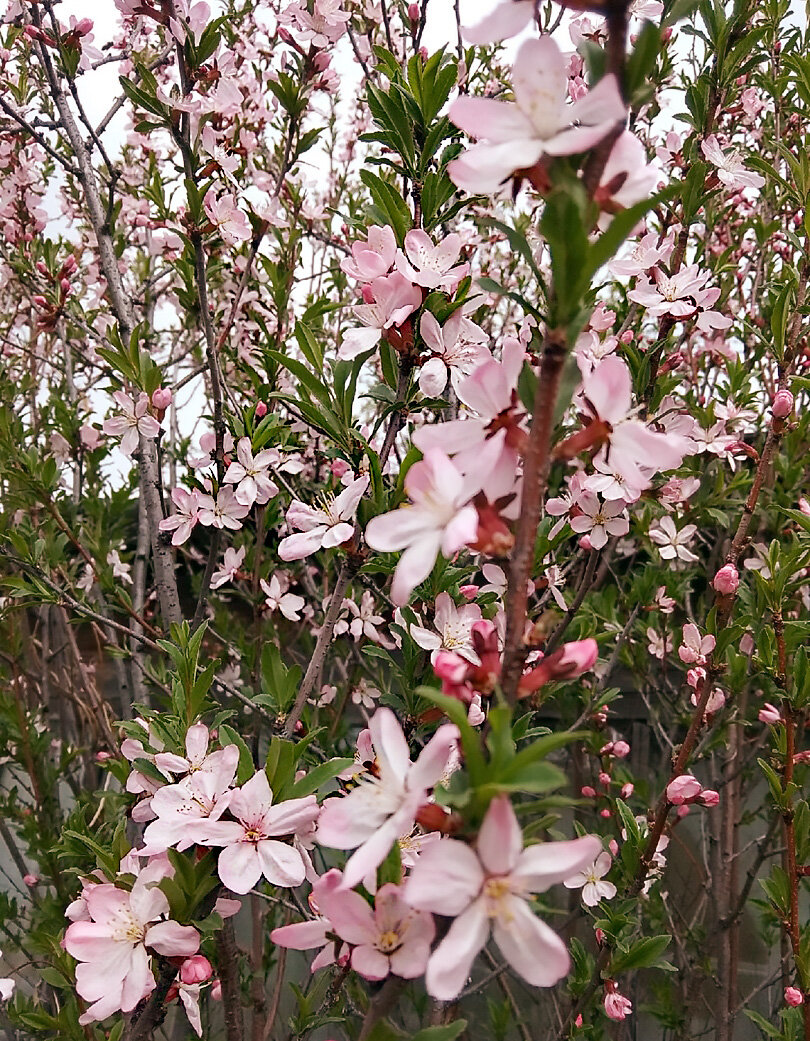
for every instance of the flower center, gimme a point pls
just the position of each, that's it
(496, 890)
(253, 835)
(388, 942)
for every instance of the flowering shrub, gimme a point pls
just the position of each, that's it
(405, 535)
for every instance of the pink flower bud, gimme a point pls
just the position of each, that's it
(769, 714)
(627, 790)
(83, 26)
(588, 792)
(216, 990)
(196, 969)
(321, 61)
(727, 580)
(413, 12)
(30, 880)
(621, 749)
(578, 1021)
(339, 467)
(102, 757)
(681, 812)
(746, 644)
(261, 410)
(65, 286)
(69, 265)
(604, 779)
(804, 506)
(469, 592)
(605, 813)
(709, 797)
(585, 543)
(42, 269)
(39, 301)
(782, 404)
(682, 788)
(613, 846)
(793, 997)
(161, 398)
(617, 1006)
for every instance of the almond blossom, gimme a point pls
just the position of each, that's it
(135, 422)
(323, 528)
(508, 19)
(114, 971)
(695, 648)
(600, 519)
(392, 938)
(182, 522)
(253, 842)
(590, 881)
(383, 805)
(432, 266)
(671, 542)
(278, 599)
(388, 302)
(486, 888)
(457, 350)
(227, 218)
(373, 257)
(318, 931)
(250, 474)
(453, 629)
(223, 512)
(539, 122)
(439, 518)
(731, 169)
(232, 562)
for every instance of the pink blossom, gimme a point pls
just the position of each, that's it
(225, 215)
(769, 714)
(440, 517)
(383, 806)
(373, 257)
(485, 889)
(627, 177)
(793, 997)
(323, 528)
(683, 788)
(253, 842)
(671, 542)
(644, 255)
(454, 628)
(432, 266)
(389, 301)
(695, 647)
(590, 881)
(114, 971)
(617, 1006)
(515, 134)
(457, 350)
(182, 523)
(251, 476)
(391, 938)
(600, 519)
(632, 448)
(508, 19)
(730, 166)
(278, 599)
(231, 564)
(709, 797)
(225, 512)
(135, 421)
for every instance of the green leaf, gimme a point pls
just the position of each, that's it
(228, 736)
(643, 954)
(318, 776)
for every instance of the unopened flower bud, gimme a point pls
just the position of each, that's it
(747, 644)
(261, 410)
(588, 792)
(196, 969)
(709, 797)
(621, 749)
(469, 592)
(793, 997)
(42, 269)
(585, 543)
(769, 714)
(83, 26)
(65, 286)
(604, 779)
(103, 757)
(161, 398)
(727, 580)
(30, 880)
(681, 812)
(627, 791)
(216, 990)
(339, 467)
(782, 404)
(40, 301)
(413, 12)
(605, 813)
